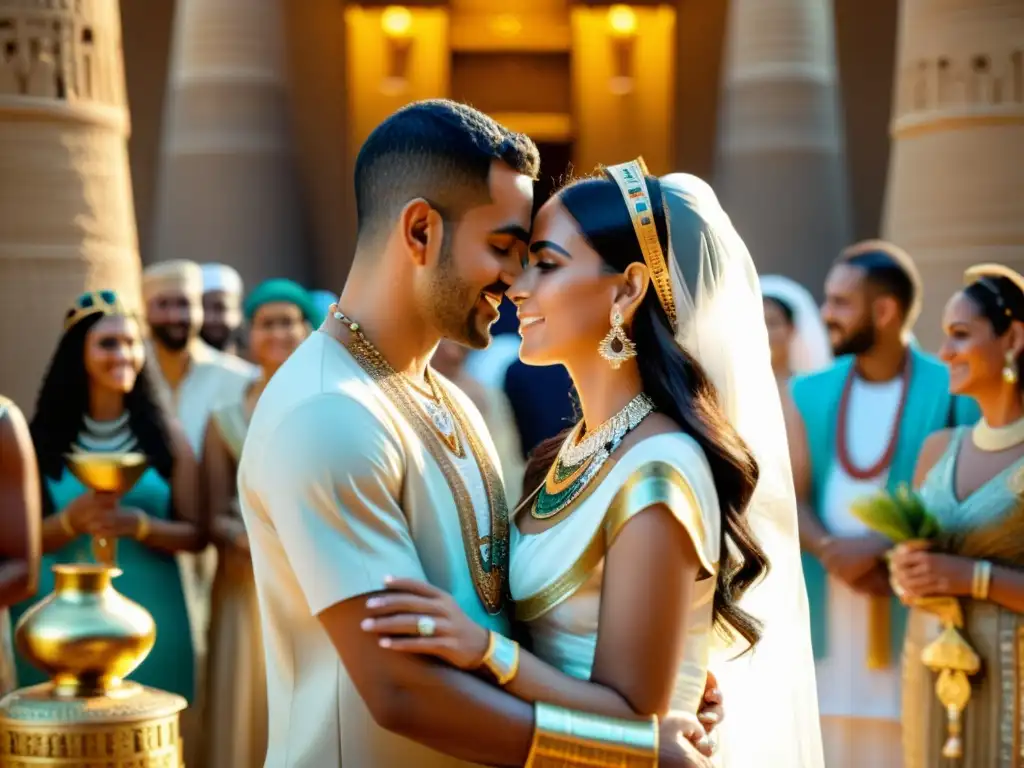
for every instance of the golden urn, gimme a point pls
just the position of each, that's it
(88, 638)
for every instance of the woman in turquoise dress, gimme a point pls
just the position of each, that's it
(972, 480)
(96, 396)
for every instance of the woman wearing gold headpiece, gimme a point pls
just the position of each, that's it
(280, 315)
(96, 396)
(19, 527)
(650, 525)
(972, 480)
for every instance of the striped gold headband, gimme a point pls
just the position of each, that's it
(630, 178)
(93, 303)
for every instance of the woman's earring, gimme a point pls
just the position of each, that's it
(616, 347)
(1010, 369)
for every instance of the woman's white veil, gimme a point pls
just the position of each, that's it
(770, 693)
(809, 347)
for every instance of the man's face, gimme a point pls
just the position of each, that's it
(221, 318)
(174, 318)
(848, 312)
(480, 258)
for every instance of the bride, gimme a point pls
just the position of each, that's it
(659, 538)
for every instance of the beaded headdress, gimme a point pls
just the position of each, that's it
(630, 178)
(93, 303)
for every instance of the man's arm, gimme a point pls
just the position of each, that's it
(20, 541)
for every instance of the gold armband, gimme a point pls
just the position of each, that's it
(502, 658)
(982, 580)
(563, 738)
(142, 529)
(65, 524)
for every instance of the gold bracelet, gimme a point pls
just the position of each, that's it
(563, 738)
(502, 658)
(981, 580)
(65, 524)
(142, 529)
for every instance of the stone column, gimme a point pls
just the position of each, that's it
(228, 190)
(67, 222)
(955, 192)
(780, 171)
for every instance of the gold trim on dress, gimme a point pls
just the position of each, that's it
(647, 486)
(490, 580)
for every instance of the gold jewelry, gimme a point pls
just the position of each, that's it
(490, 571)
(981, 580)
(141, 527)
(563, 738)
(616, 347)
(65, 524)
(986, 438)
(502, 658)
(577, 464)
(632, 184)
(93, 303)
(1010, 369)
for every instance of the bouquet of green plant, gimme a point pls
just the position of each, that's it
(900, 516)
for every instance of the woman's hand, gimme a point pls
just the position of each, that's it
(408, 607)
(89, 508)
(917, 573)
(118, 523)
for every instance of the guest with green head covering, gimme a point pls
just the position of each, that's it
(280, 314)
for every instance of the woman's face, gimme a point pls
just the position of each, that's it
(278, 327)
(114, 353)
(564, 295)
(972, 350)
(780, 332)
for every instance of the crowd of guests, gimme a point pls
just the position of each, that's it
(866, 410)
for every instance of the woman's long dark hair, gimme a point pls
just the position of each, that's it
(680, 389)
(63, 402)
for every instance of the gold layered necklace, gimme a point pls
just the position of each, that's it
(579, 460)
(993, 439)
(490, 573)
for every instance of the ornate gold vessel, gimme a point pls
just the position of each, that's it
(88, 638)
(115, 473)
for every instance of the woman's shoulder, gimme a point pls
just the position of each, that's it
(659, 440)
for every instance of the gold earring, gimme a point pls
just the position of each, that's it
(616, 347)
(1010, 369)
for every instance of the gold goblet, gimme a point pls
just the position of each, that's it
(115, 473)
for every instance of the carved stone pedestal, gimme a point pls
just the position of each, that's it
(955, 192)
(67, 222)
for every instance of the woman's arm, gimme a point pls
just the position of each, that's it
(188, 530)
(650, 572)
(218, 474)
(20, 523)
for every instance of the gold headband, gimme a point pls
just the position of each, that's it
(633, 186)
(93, 303)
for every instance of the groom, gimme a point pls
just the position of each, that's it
(356, 468)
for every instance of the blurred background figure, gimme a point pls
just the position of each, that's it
(97, 395)
(19, 528)
(971, 479)
(796, 333)
(222, 307)
(450, 360)
(280, 314)
(322, 300)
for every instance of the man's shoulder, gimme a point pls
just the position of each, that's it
(803, 383)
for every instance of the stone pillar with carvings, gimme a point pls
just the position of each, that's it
(228, 189)
(955, 192)
(780, 167)
(67, 221)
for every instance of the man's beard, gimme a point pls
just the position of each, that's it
(172, 336)
(217, 336)
(450, 295)
(858, 342)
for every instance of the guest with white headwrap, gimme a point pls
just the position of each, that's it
(796, 333)
(222, 306)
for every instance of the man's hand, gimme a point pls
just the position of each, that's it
(675, 748)
(876, 583)
(852, 558)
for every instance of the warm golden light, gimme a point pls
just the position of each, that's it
(506, 25)
(396, 21)
(622, 21)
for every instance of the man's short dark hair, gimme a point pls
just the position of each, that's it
(890, 271)
(438, 150)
